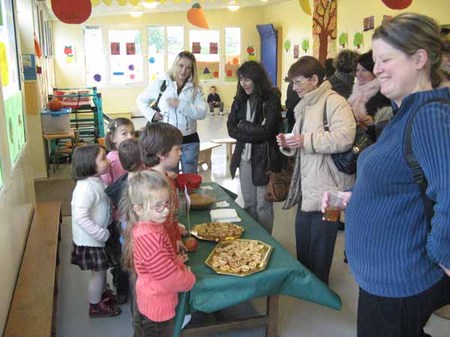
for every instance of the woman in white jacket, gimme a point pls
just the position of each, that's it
(314, 170)
(181, 104)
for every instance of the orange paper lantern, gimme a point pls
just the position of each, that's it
(196, 16)
(54, 105)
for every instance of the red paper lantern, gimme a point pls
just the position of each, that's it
(397, 4)
(72, 11)
(54, 105)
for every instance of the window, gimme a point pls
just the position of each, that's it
(205, 46)
(232, 52)
(158, 47)
(95, 60)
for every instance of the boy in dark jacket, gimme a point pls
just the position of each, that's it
(214, 101)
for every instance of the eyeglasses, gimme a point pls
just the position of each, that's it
(301, 82)
(160, 206)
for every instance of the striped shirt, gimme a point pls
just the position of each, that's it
(160, 275)
(390, 250)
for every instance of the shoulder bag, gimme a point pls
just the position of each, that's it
(346, 161)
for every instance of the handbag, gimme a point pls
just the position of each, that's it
(346, 161)
(277, 188)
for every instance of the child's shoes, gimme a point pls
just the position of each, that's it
(108, 296)
(103, 309)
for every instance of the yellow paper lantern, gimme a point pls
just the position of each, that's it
(134, 2)
(304, 4)
(107, 2)
(95, 2)
(121, 2)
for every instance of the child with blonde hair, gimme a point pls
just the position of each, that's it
(146, 206)
(91, 215)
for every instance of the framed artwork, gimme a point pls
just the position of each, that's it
(369, 23)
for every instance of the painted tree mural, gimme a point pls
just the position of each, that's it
(324, 28)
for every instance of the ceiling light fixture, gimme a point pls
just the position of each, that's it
(150, 5)
(234, 6)
(136, 14)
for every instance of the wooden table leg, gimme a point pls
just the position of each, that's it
(229, 150)
(272, 316)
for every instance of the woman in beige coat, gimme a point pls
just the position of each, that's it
(314, 171)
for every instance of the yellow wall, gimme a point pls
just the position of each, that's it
(296, 25)
(122, 99)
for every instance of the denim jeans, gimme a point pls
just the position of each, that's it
(315, 240)
(189, 157)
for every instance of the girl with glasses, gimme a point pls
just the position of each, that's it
(146, 206)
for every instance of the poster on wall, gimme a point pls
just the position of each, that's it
(208, 70)
(9, 70)
(1, 174)
(231, 67)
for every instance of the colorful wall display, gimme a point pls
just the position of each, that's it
(208, 70)
(231, 67)
(12, 96)
(324, 29)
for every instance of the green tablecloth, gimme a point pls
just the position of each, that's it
(283, 275)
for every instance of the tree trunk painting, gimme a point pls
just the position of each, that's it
(324, 29)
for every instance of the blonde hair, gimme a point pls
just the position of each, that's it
(139, 191)
(194, 76)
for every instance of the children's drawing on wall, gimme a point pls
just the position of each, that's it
(386, 18)
(251, 53)
(324, 28)
(131, 48)
(69, 51)
(196, 47)
(343, 39)
(231, 67)
(97, 78)
(213, 48)
(369, 23)
(358, 40)
(287, 45)
(1, 174)
(208, 70)
(296, 51)
(305, 45)
(115, 48)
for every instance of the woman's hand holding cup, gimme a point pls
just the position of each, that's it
(332, 204)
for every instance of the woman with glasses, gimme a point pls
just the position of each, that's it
(254, 121)
(314, 170)
(181, 103)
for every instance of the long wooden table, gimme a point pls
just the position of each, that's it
(213, 292)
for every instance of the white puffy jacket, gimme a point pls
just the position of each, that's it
(185, 116)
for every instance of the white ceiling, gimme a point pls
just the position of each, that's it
(167, 6)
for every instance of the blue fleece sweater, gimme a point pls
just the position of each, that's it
(390, 251)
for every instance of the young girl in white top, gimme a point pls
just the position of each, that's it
(147, 205)
(91, 215)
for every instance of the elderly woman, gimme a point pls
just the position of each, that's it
(397, 234)
(371, 108)
(314, 171)
(181, 104)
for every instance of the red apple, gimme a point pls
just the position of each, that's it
(191, 244)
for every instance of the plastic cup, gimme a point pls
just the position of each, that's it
(335, 205)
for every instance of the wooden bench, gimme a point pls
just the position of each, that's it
(204, 156)
(229, 143)
(33, 305)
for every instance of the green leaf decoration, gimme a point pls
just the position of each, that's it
(343, 40)
(305, 45)
(287, 45)
(358, 40)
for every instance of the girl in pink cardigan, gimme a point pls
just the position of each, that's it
(146, 206)
(119, 129)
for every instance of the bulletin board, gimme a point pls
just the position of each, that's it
(9, 72)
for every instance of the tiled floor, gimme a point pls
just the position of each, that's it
(296, 318)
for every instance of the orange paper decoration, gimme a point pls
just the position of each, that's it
(196, 16)
(37, 47)
(72, 12)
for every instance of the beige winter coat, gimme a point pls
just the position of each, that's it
(314, 171)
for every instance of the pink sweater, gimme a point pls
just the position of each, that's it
(160, 275)
(116, 170)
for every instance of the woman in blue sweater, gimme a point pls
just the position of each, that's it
(401, 263)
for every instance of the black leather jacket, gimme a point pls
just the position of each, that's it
(259, 135)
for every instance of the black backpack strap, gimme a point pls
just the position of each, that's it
(416, 170)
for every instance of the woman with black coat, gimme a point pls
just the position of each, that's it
(254, 121)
